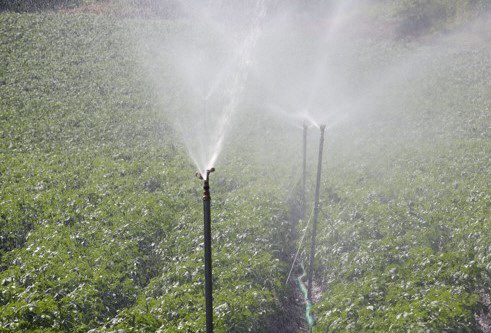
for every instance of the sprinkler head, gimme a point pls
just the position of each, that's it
(206, 185)
(322, 127)
(200, 176)
(209, 171)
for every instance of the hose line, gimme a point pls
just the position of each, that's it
(308, 305)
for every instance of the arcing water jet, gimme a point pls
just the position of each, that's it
(213, 60)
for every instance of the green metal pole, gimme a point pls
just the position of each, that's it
(316, 213)
(304, 164)
(208, 266)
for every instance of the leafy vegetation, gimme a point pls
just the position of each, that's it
(100, 219)
(419, 17)
(36, 5)
(100, 212)
(415, 18)
(404, 238)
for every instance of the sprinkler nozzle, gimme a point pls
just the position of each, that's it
(200, 176)
(206, 184)
(322, 127)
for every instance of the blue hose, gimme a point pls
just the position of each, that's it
(308, 305)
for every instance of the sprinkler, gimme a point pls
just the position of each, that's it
(207, 236)
(316, 212)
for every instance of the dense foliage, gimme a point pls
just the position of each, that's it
(100, 212)
(410, 17)
(100, 219)
(407, 204)
(36, 5)
(416, 17)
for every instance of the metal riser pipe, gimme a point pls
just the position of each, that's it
(304, 170)
(208, 262)
(316, 213)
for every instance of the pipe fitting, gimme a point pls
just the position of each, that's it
(206, 185)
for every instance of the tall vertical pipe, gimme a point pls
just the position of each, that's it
(207, 236)
(316, 213)
(304, 170)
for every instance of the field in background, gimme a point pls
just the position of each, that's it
(404, 242)
(409, 18)
(100, 214)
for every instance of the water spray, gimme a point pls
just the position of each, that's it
(207, 236)
(316, 213)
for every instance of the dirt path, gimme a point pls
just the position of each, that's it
(483, 317)
(295, 304)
